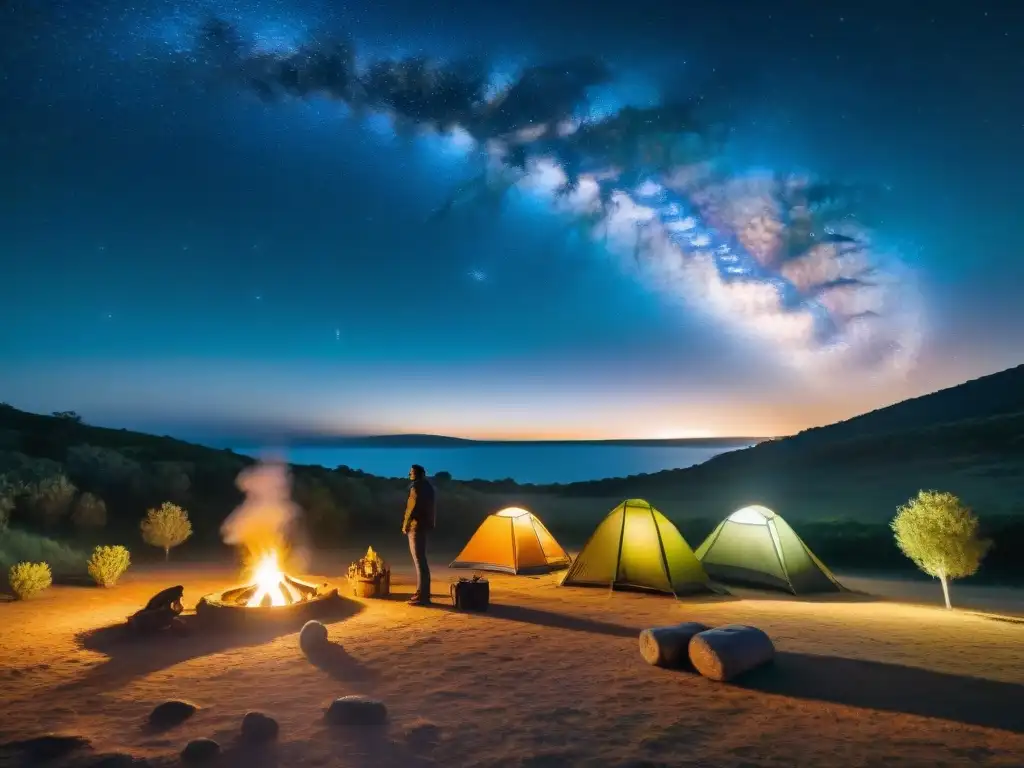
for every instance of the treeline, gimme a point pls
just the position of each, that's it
(68, 480)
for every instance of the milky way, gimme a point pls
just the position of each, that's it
(774, 256)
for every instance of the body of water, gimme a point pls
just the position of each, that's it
(541, 464)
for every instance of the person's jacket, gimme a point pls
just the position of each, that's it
(419, 510)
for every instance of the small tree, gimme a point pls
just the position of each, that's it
(940, 535)
(90, 512)
(166, 526)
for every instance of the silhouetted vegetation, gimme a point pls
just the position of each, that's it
(839, 486)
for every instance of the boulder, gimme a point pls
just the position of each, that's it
(200, 750)
(258, 728)
(356, 710)
(171, 713)
(312, 637)
(49, 746)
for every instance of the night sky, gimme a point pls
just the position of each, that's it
(181, 255)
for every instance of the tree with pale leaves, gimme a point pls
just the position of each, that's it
(166, 526)
(940, 534)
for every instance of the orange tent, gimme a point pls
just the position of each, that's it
(512, 541)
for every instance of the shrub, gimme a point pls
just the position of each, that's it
(29, 579)
(940, 535)
(107, 564)
(90, 512)
(50, 499)
(166, 526)
(18, 546)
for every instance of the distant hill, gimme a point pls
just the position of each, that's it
(994, 395)
(968, 439)
(443, 441)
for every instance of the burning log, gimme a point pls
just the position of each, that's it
(370, 576)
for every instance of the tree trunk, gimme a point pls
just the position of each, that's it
(167, 556)
(945, 589)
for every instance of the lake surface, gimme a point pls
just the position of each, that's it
(524, 463)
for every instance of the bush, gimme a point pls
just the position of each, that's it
(166, 527)
(107, 564)
(90, 512)
(18, 546)
(50, 499)
(29, 579)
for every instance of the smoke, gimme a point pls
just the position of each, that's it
(266, 520)
(783, 259)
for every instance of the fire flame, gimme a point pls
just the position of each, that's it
(269, 582)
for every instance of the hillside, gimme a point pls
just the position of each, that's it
(968, 439)
(840, 484)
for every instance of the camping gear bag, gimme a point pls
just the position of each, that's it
(471, 594)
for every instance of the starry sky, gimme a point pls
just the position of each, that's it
(180, 255)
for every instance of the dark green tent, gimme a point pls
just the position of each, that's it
(755, 547)
(637, 547)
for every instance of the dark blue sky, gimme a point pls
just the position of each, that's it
(178, 255)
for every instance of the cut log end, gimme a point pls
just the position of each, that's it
(667, 646)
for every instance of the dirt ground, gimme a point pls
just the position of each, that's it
(549, 677)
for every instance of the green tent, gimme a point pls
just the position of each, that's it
(755, 547)
(637, 547)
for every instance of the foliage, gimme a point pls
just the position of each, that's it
(29, 579)
(71, 416)
(90, 512)
(940, 535)
(166, 526)
(9, 492)
(107, 564)
(49, 500)
(17, 546)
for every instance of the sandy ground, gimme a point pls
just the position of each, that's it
(549, 677)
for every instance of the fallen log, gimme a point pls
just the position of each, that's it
(723, 653)
(668, 646)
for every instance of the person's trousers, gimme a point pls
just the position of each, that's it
(418, 550)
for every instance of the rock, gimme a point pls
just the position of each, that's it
(47, 747)
(258, 728)
(118, 760)
(171, 713)
(422, 736)
(312, 637)
(356, 710)
(199, 750)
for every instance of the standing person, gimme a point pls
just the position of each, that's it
(418, 523)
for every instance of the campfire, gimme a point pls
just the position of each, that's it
(272, 587)
(271, 592)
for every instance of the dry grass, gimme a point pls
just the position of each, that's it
(549, 677)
